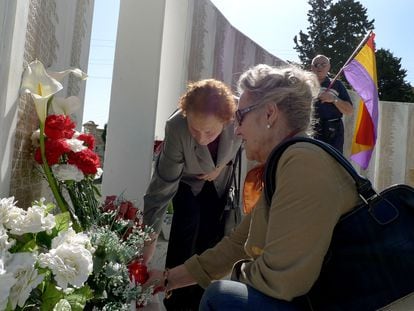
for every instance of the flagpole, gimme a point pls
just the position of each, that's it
(359, 47)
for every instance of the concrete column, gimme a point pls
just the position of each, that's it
(131, 123)
(174, 59)
(13, 25)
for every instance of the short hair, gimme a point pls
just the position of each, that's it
(321, 56)
(292, 89)
(209, 97)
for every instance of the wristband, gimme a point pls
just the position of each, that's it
(168, 293)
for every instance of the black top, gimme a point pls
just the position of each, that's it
(327, 111)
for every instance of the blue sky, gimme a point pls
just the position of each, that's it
(270, 23)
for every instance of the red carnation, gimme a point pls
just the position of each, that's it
(109, 204)
(86, 160)
(138, 271)
(59, 126)
(54, 149)
(88, 140)
(131, 213)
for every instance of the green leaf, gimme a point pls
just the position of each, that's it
(79, 297)
(50, 207)
(62, 222)
(28, 247)
(50, 297)
(43, 238)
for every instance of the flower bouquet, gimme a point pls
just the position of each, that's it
(118, 270)
(77, 254)
(44, 263)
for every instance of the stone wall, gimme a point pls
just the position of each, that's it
(220, 51)
(206, 46)
(42, 43)
(391, 162)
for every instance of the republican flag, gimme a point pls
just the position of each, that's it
(361, 73)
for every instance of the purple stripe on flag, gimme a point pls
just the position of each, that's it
(361, 81)
(362, 158)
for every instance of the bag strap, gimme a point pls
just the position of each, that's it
(232, 179)
(363, 185)
(238, 180)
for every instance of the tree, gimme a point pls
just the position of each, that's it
(335, 30)
(391, 78)
(350, 27)
(320, 27)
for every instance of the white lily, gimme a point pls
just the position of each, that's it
(62, 74)
(40, 86)
(65, 106)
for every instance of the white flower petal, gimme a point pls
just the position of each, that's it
(62, 305)
(33, 220)
(40, 86)
(67, 172)
(22, 266)
(37, 81)
(71, 264)
(76, 145)
(65, 106)
(62, 74)
(99, 173)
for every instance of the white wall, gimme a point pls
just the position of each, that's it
(130, 136)
(13, 23)
(174, 59)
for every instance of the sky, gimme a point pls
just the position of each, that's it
(270, 23)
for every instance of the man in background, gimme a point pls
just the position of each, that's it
(331, 105)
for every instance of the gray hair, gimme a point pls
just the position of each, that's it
(320, 56)
(292, 89)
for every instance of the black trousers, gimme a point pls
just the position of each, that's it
(331, 132)
(196, 226)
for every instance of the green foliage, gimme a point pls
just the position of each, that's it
(350, 27)
(62, 222)
(391, 78)
(335, 30)
(319, 32)
(50, 297)
(84, 197)
(79, 297)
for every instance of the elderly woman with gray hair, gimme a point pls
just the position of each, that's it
(277, 252)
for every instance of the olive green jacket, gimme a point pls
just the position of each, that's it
(287, 241)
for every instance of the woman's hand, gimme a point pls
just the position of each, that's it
(169, 279)
(178, 277)
(149, 249)
(156, 279)
(212, 175)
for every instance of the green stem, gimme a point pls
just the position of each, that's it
(52, 181)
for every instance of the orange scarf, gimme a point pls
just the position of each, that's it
(253, 186)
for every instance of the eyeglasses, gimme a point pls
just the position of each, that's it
(320, 65)
(241, 113)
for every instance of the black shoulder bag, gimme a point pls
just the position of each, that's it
(232, 215)
(370, 261)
